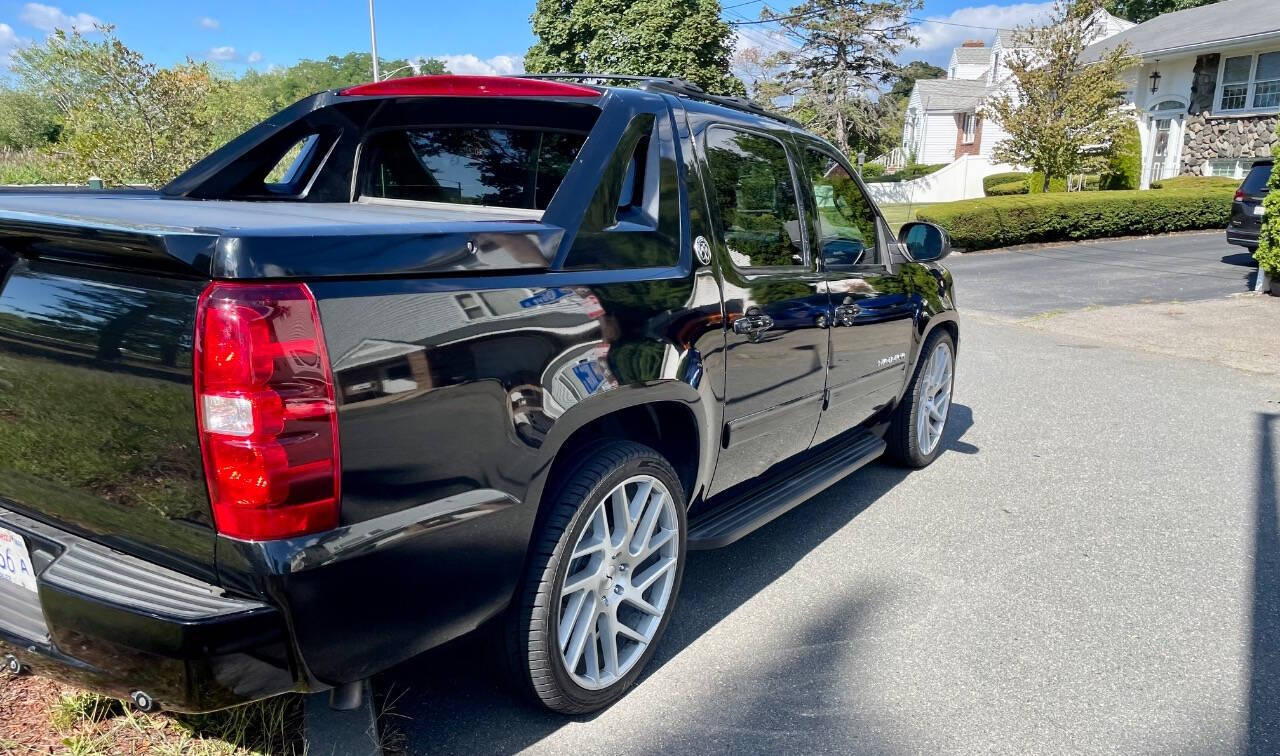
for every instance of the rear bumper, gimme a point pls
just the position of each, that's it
(1243, 237)
(117, 624)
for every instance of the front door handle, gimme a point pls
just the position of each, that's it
(753, 323)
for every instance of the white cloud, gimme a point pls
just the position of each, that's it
(46, 18)
(9, 41)
(222, 53)
(206, 22)
(471, 64)
(254, 57)
(939, 38)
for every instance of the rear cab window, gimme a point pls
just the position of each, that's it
(515, 168)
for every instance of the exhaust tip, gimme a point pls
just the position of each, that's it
(14, 666)
(142, 701)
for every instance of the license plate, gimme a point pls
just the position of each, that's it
(15, 561)
(1259, 210)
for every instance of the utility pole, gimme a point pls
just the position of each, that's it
(373, 42)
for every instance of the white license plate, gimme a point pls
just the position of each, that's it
(15, 561)
(1259, 210)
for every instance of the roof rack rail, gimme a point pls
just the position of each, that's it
(671, 85)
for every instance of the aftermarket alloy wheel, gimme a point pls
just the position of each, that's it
(603, 580)
(920, 420)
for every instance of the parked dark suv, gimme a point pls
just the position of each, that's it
(435, 353)
(1246, 208)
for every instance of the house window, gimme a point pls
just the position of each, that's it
(1250, 82)
(1235, 169)
(970, 127)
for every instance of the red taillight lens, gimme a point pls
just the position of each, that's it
(1239, 195)
(264, 402)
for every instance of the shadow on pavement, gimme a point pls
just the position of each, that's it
(1264, 651)
(455, 699)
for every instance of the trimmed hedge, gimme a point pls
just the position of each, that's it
(1197, 182)
(1005, 221)
(913, 171)
(1056, 183)
(997, 179)
(1009, 187)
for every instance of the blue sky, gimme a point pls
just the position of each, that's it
(473, 36)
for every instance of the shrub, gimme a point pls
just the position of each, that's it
(1268, 252)
(1124, 165)
(1056, 183)
(1005, 221)
(1196, 182)
(1009, 187)
(996, 179)
(872, 170)
(917, 170)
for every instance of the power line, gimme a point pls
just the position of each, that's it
(739, 5)
(810, 14)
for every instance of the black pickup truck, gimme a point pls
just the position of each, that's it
(426, 355)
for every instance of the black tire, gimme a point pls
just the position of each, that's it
(901, 438)
(532, 627)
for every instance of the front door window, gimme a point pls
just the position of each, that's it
(1160, 148)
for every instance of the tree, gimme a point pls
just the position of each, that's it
(1057, 105)
(27, 121)
(678, 38)
(1268, 252)
(306, 77)
(1138, 11)
(904, 79)
(126, 120)
(846, 51)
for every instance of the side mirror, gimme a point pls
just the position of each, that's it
(924, 242)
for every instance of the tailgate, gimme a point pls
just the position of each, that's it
(97, 419)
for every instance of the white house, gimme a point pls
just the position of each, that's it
(1207, 95)
(943, 124)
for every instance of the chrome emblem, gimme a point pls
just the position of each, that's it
(891, 360)
(702, 248)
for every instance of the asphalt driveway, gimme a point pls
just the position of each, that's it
(1031, 280)
(1092, 565)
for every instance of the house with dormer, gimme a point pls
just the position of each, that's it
(943, 121)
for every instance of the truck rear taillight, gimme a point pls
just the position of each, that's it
(265, 407)
(1239, 195)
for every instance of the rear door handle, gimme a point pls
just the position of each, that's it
(749, 325)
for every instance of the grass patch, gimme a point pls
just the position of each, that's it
(896, 215)
(38, 716)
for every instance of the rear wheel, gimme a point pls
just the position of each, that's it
(915, 433)
(603, 580)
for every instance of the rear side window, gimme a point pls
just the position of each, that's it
(1256, 181)
(499, 167)
(759, 219)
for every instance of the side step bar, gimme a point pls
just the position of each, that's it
(742, 512)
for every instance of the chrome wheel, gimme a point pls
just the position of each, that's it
(619, 582)
(935, 398)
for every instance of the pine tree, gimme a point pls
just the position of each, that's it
(846, 50)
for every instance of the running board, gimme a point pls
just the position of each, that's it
(742, 512)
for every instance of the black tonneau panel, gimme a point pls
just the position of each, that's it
(232, 239)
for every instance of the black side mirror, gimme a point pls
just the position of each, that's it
(925, 242)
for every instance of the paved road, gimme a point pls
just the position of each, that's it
(1092, 565)
(1181, 267)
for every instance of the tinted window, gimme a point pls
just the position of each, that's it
(518, 168)
(755, 198)
(1256, 181)
(845, 219)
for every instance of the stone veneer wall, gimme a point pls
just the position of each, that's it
(1206, 138)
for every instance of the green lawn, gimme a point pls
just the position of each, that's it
(896, 215)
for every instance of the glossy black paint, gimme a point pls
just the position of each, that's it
(1245, 225)
(468, 377)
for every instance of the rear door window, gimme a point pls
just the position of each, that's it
(1256, 182)
(759, 219)
(494, 166)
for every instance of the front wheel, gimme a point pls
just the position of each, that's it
(915, 432)
(603, 579)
